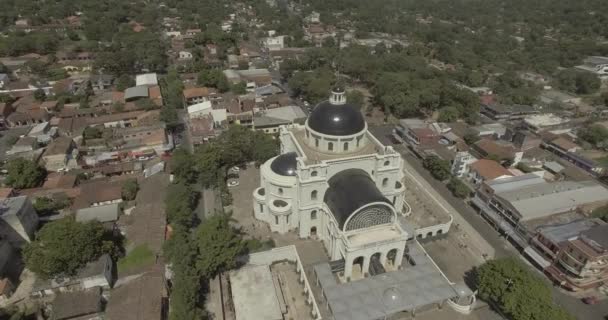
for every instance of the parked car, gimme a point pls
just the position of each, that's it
(233, 183)
(235, 169)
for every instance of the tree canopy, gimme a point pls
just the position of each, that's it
(439, 168)
(64, 246)
(23, 173)
(517, 291)
(218, 244)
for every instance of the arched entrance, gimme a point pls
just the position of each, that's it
(313, 231)
(375, 264)
(357, 271)
(391, 257)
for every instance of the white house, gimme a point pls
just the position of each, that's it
(185, 55)
(595, 64)
(200, 109)
(146, 79)
(275, 43)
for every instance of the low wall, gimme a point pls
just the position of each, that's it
(281, 254)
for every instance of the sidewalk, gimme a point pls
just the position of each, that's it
(478, 245)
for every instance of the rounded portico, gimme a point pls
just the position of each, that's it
(274, 198)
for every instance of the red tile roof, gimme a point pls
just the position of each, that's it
(489, 169)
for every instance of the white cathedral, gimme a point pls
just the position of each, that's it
(336, 182)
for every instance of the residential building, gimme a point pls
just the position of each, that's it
(98, 193)
(270, 120)
(78, 305)
(58, 154)
(103, 213)
(524, 140)
(566, 150)
(136, 93)
(184, 55)
(144, 298)
(3, 80)
(24, 144)
(499, 150)
(417, 131)
(98, 273)
(595, 64)
(274, 43)
(582, 261)
(461, 163)
(486, 170)
(198, 95)
(498, 112)
(18, 220)
(542, 122)
(137, 139)
(27, 117)
(259, 77)
(509, 203)
(116, 120)
(5, 110)
(101, 81)
(147, 79)
(201, 129)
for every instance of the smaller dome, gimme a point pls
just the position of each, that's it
(391, 297)
(285, 164)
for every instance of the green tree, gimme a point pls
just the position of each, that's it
(356, 98)
(219, 244)
(595, 134)
(39, 95)
(183, 166)
(64, 246)
(181, 201)
(92, 133)
(239, 88)
(471, 137)
(578, 81)
(214, 78)
(439, 168)
(129, 189)
(601, 212)
(458, 188)
(48, 206)
(517, 291)
(23, 174)
(448, 114)
(123, 82)
(264, 147)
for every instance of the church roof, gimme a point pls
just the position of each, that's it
(336, 120)
(285, 164)
(348, 191)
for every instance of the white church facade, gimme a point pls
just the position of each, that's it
(336, 182)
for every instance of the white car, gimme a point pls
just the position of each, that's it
(233, 183)
(235, 169)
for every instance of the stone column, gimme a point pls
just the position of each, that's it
(365, 265)
(348, 268)
(399, 257)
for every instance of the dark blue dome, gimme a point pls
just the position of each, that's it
(285, 164)
(336, 120)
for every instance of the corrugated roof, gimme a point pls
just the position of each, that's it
(136, 92)
(541, 200)
(105, 213)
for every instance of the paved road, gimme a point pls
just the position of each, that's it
(491, 236)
